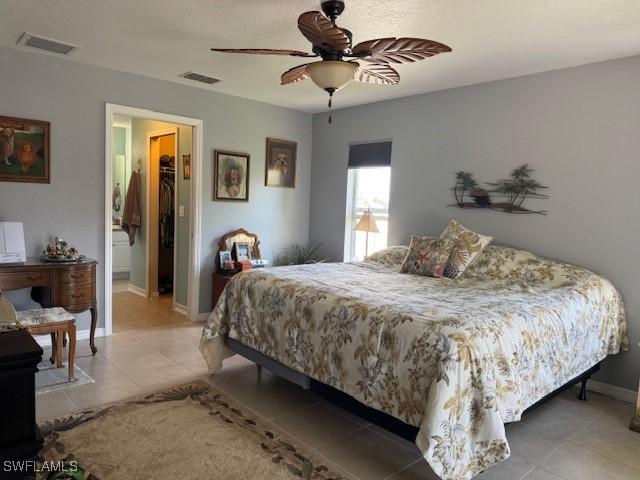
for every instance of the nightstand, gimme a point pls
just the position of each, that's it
(220, 280)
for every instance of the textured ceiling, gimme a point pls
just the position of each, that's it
(491, 39)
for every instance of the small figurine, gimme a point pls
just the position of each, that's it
(60, 250)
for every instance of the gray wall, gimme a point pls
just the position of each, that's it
(72, 97)
(579, 128)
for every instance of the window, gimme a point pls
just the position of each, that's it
(367, 193)
(367, 188)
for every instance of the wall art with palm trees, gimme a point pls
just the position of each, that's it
(507, 195)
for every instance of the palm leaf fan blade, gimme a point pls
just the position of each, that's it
(319, 30)
(264, 51)
(295, 74)
(398, 50)
(381, 74)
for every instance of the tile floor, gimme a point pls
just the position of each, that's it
(133, 312)
(563, 440)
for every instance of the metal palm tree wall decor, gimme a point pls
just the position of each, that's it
(512, 192)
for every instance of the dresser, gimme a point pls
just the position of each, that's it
(20, 438)
(71, 286)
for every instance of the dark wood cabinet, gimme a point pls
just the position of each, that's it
(20, 438)
(220, 281)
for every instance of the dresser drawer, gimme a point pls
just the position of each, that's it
(75, 277)
(77, 298)
(24, 279)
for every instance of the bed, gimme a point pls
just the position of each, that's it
(456, 358)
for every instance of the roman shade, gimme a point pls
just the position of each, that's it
(370, 155)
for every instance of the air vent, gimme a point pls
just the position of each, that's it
(197, 77)
(46, 44)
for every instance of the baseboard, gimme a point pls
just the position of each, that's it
(137, 290)
(619, 393)
(45, 340)
(203, 317)
(123, 275)
(180, 309)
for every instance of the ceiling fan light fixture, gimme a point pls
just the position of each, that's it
(331, 75)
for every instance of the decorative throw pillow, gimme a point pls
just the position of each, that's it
(427, 256)
(467, 247)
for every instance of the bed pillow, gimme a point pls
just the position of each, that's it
(389, 257)
(427, 256)
(467, 248)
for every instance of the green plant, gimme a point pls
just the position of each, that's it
(298, 254)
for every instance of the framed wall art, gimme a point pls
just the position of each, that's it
(186, 167)
(231, 176)
(24, 150)
(280, 168)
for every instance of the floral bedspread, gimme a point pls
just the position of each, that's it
(456, 358)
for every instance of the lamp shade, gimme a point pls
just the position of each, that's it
(331, 74)
(367, 223)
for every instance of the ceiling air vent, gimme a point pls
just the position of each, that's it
(46, 44)
(196, 77)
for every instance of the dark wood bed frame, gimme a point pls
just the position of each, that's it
(352, 405)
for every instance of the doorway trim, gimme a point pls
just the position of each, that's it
(195, 216)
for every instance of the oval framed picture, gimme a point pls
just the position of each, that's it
(280, 168)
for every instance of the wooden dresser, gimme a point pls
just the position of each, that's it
(71, 286)
(20, 438)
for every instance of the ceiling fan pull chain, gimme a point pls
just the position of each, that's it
(330, 103)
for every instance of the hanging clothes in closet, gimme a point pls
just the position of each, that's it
(167, 196)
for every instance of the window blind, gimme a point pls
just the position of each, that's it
(370, 155)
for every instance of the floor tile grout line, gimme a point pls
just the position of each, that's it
(391, 439)
(634, 467)
(71, 401)
(296, 410)
(404, 468)
(337, 439)
(553, 473)
(342, 469)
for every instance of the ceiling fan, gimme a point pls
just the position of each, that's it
(333, 44)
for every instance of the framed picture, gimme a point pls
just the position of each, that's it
(231, 176)
(186, 167)
(24, 150)
(223, 257)
(242, 251)
(280, 169)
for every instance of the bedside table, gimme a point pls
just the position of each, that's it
(220, 280)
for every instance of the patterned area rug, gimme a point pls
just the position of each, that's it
(50, 379)
(187, 432)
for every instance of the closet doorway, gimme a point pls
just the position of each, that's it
(162, 212)
(153, 165)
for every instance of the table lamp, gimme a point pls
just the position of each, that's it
(367, 223)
